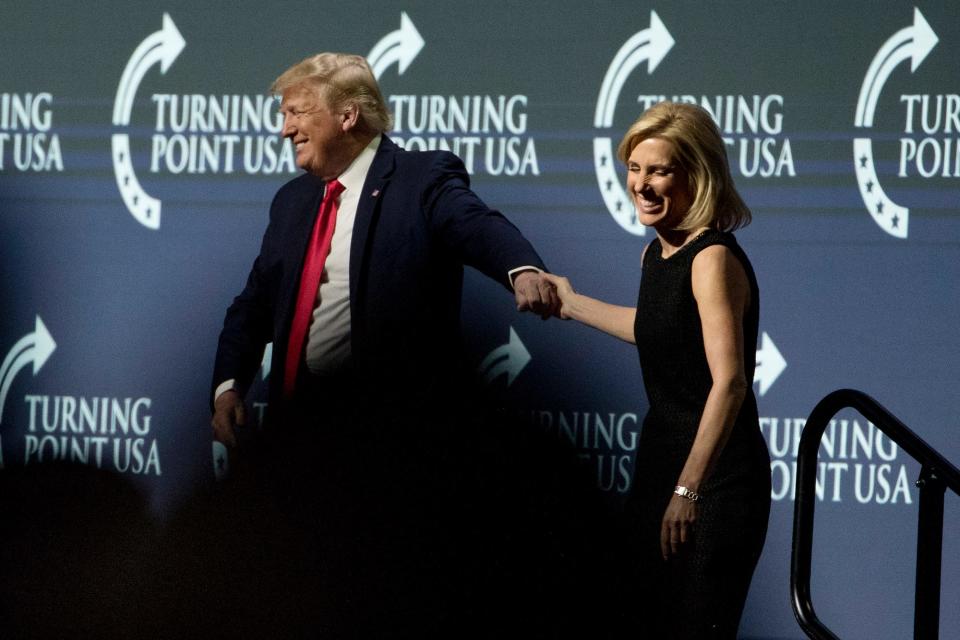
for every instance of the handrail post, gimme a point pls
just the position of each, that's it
(803, 516)
(936, 475)
(926, 620)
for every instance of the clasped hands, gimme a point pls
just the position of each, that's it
(541, 293)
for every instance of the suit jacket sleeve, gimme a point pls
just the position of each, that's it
(482, 237)
(248, 325)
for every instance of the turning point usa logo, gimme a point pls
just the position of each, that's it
(108, 433)
(934, 155)
(193, 133)
(751, 125)
(27, 142)
(487, 132)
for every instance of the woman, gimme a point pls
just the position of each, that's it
(702, 481)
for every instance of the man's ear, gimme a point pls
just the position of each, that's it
(350, 117)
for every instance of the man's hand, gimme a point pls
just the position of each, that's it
(534, 293)
(228, 412)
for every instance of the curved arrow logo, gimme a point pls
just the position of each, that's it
(770, 364)
(34, 348)
(912, 43)
(161, 47)
(651, 46)
(400, 46)
(508, 359)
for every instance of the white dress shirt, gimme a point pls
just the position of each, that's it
(328, 338)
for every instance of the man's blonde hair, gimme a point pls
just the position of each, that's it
(343, 80)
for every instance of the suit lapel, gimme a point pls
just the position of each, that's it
(298, 238)
(378, 177)
(302, 225)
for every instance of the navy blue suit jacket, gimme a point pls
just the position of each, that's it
(417, 224)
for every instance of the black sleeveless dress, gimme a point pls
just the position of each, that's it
(701, 593)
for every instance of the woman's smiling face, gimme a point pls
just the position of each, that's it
(657, 184)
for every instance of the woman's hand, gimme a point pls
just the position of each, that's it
(676, 531)
(564, 291)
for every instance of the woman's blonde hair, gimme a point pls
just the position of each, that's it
(700, 152)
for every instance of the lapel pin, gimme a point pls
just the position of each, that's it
(375, 193)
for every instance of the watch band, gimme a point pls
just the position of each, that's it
(683, 492)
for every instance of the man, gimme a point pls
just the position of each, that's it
(385, 317)
(365, 377)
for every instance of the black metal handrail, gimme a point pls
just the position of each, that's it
(935, 476)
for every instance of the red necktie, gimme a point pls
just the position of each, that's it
(309, 282)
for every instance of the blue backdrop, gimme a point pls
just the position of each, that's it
(139, 153)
